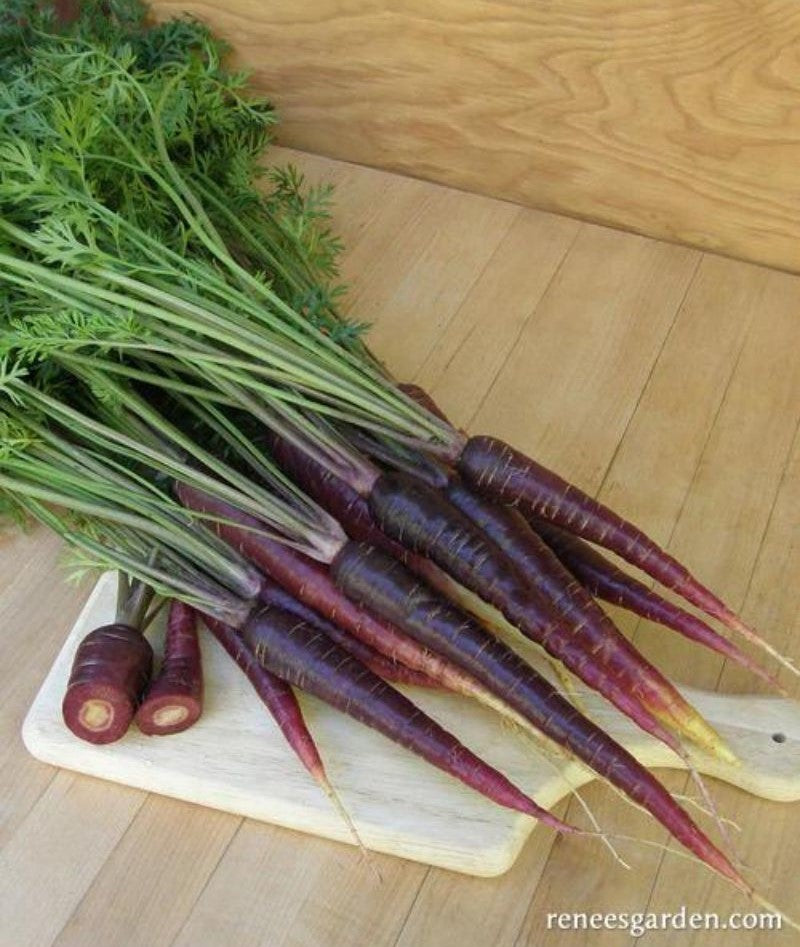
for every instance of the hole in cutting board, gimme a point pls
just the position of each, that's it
(779, 737)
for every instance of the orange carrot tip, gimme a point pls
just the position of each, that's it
(695, 728)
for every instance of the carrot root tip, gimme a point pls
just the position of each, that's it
(769, 906)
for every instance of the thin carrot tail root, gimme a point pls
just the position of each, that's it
(599, 831)
(605, 580)
(773, 909)
(746, 662)
(694, 592)
(713, 811)
(719, 866)
(696, 804)
(338, 805)
(553, 821)
(694, 722)
(728, 649)
(732, 621)
(547, 751)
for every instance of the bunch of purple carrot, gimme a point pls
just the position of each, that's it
(407, 598)
(181, 400)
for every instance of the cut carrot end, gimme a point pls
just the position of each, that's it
(163, 716)
(96, 715)
(170, 716)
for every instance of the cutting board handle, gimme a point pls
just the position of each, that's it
(764, 733)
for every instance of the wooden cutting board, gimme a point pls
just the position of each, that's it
(236, 760)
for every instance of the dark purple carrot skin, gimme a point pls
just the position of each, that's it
(422, 519)
(601, 639)
(499, 471)
(340, 499)
(276, 695)
(110, 670)
(382, 583)
(421, 465)
(422, 398)
(174, 700)
(392, 671)
(349, 508)
(299, 653)
(394, 593)
(310, 582)
(549, 492)
(335, 496)
(606, 581)
(352, 512)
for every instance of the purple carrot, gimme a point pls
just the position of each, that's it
(390, 670)
(614, 653)
(300, 654)
(415, 515)
(426, 522)
(504, 474)
(543, 569)
(310, 583)
(352, 511)
(334, 495)
(280, 700)
(606, 581)
(383, 584)
(370, 576)
(276, 695)
(423, 398)
(110, 670)
(174, 699)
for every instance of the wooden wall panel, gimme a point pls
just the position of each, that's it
(674, 118)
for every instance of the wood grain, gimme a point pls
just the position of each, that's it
(723, 373)
(671, 118)
(670, 411)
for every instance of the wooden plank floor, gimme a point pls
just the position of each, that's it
(662, 379)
